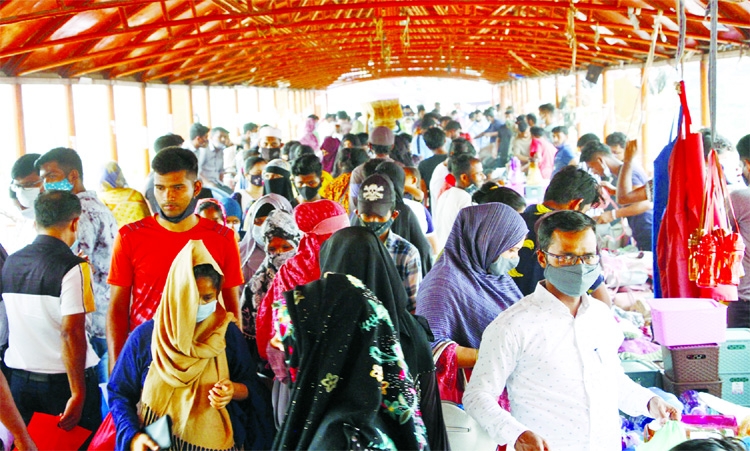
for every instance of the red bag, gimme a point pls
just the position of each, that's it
(105, 438)
(715, 249)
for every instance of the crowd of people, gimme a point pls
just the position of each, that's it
(330, 292)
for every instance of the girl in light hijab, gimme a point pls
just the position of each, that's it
(469, 286)
(252, 246)
(281, 237)
(190, 362)
(127, 204)
(309, 137)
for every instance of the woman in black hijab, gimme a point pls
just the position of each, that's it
(356, 251)
(353, 358)
(277, 179)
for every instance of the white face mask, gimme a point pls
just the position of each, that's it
(27, 196)
(205, 310)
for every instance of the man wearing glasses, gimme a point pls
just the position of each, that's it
(555, 351)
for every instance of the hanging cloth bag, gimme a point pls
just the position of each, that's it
(715, 248)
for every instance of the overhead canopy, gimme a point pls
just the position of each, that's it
(319, 43)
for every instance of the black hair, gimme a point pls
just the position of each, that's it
(523, 126)
(348, 159)
(287, 148)
(531, 117)
(313, 116)
(207, 271)
(743, 147)
(219, 130)
(537, 132)
(472, 114)
(299, 150)
(453, 125)
(307, 164)
(461, 146)
(717, 142)
(434, 138)
(564, 221)
(264, 210)
(401, 151)
(406, 136)
(420, 107)
(395, 174)
(56, 208)
(381, 150)
(711, 444)
(592, 149)
(445, 119)
(357, 115)
(174, 159)
(616, 139)
(572, 183)
(252, 161)
(489, 112)
(428, 122)
(363, 138)
(168, 140)
(342, 115)
(197, 130)
(585, 139)
(461, 164)
(67, 159)
(24, 166)
(210, 205)
(369, 167)
(249, 127)
(560, 129)
(492, 192)
(547, 107)
(352, 138)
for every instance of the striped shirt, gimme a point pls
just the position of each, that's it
(408, 264)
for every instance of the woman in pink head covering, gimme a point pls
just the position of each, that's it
(309, 137)
(317, 221)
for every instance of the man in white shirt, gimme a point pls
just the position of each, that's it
(556, 353)
(469, 175)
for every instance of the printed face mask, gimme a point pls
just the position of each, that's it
(572, 280)
(378, 228)
(61, 185)
(256, 180)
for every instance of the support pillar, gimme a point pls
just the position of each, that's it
(705, 111)
(144, 124)
(644, 122)
(70, 115)
(18, 116)
(112, 123)
(608, 109)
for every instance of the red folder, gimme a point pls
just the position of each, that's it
(48, 436)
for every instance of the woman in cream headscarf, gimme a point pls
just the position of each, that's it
(191, 362)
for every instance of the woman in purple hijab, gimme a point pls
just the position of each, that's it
(469, 286)
(330, 148)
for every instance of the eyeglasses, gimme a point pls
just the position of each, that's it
(570, 260)
(15, 186)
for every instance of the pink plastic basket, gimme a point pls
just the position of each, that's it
(680, 322)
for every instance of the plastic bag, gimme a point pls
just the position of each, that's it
(669, 436)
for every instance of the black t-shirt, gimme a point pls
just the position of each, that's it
(428, 165)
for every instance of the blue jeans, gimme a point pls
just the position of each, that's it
(100, 347)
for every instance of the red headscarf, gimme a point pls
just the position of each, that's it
(317, 221)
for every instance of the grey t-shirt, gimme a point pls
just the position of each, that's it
(741, 204)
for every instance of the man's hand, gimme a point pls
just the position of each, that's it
(142, 442)
(606, 217)
(662, 410)
(73, 411)
(221, 394)
(529, 441)
(631, 148)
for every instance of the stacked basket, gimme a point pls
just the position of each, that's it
(734, 367)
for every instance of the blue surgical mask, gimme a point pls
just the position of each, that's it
(61, 185)
(502, 265)
(572, 280)
(74, 246)
(205, 310)
(378, 228)
(471, 189)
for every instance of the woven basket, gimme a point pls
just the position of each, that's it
(678, 388)
(691, 363)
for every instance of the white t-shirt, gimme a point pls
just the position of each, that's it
(436, 183)
(35, 323)
(446, 211)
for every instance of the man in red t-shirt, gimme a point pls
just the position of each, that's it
(144, 250)
(543, 152)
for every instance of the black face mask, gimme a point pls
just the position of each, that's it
(270, 153)
(276, 186)
(308, 192)
(188, 211)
